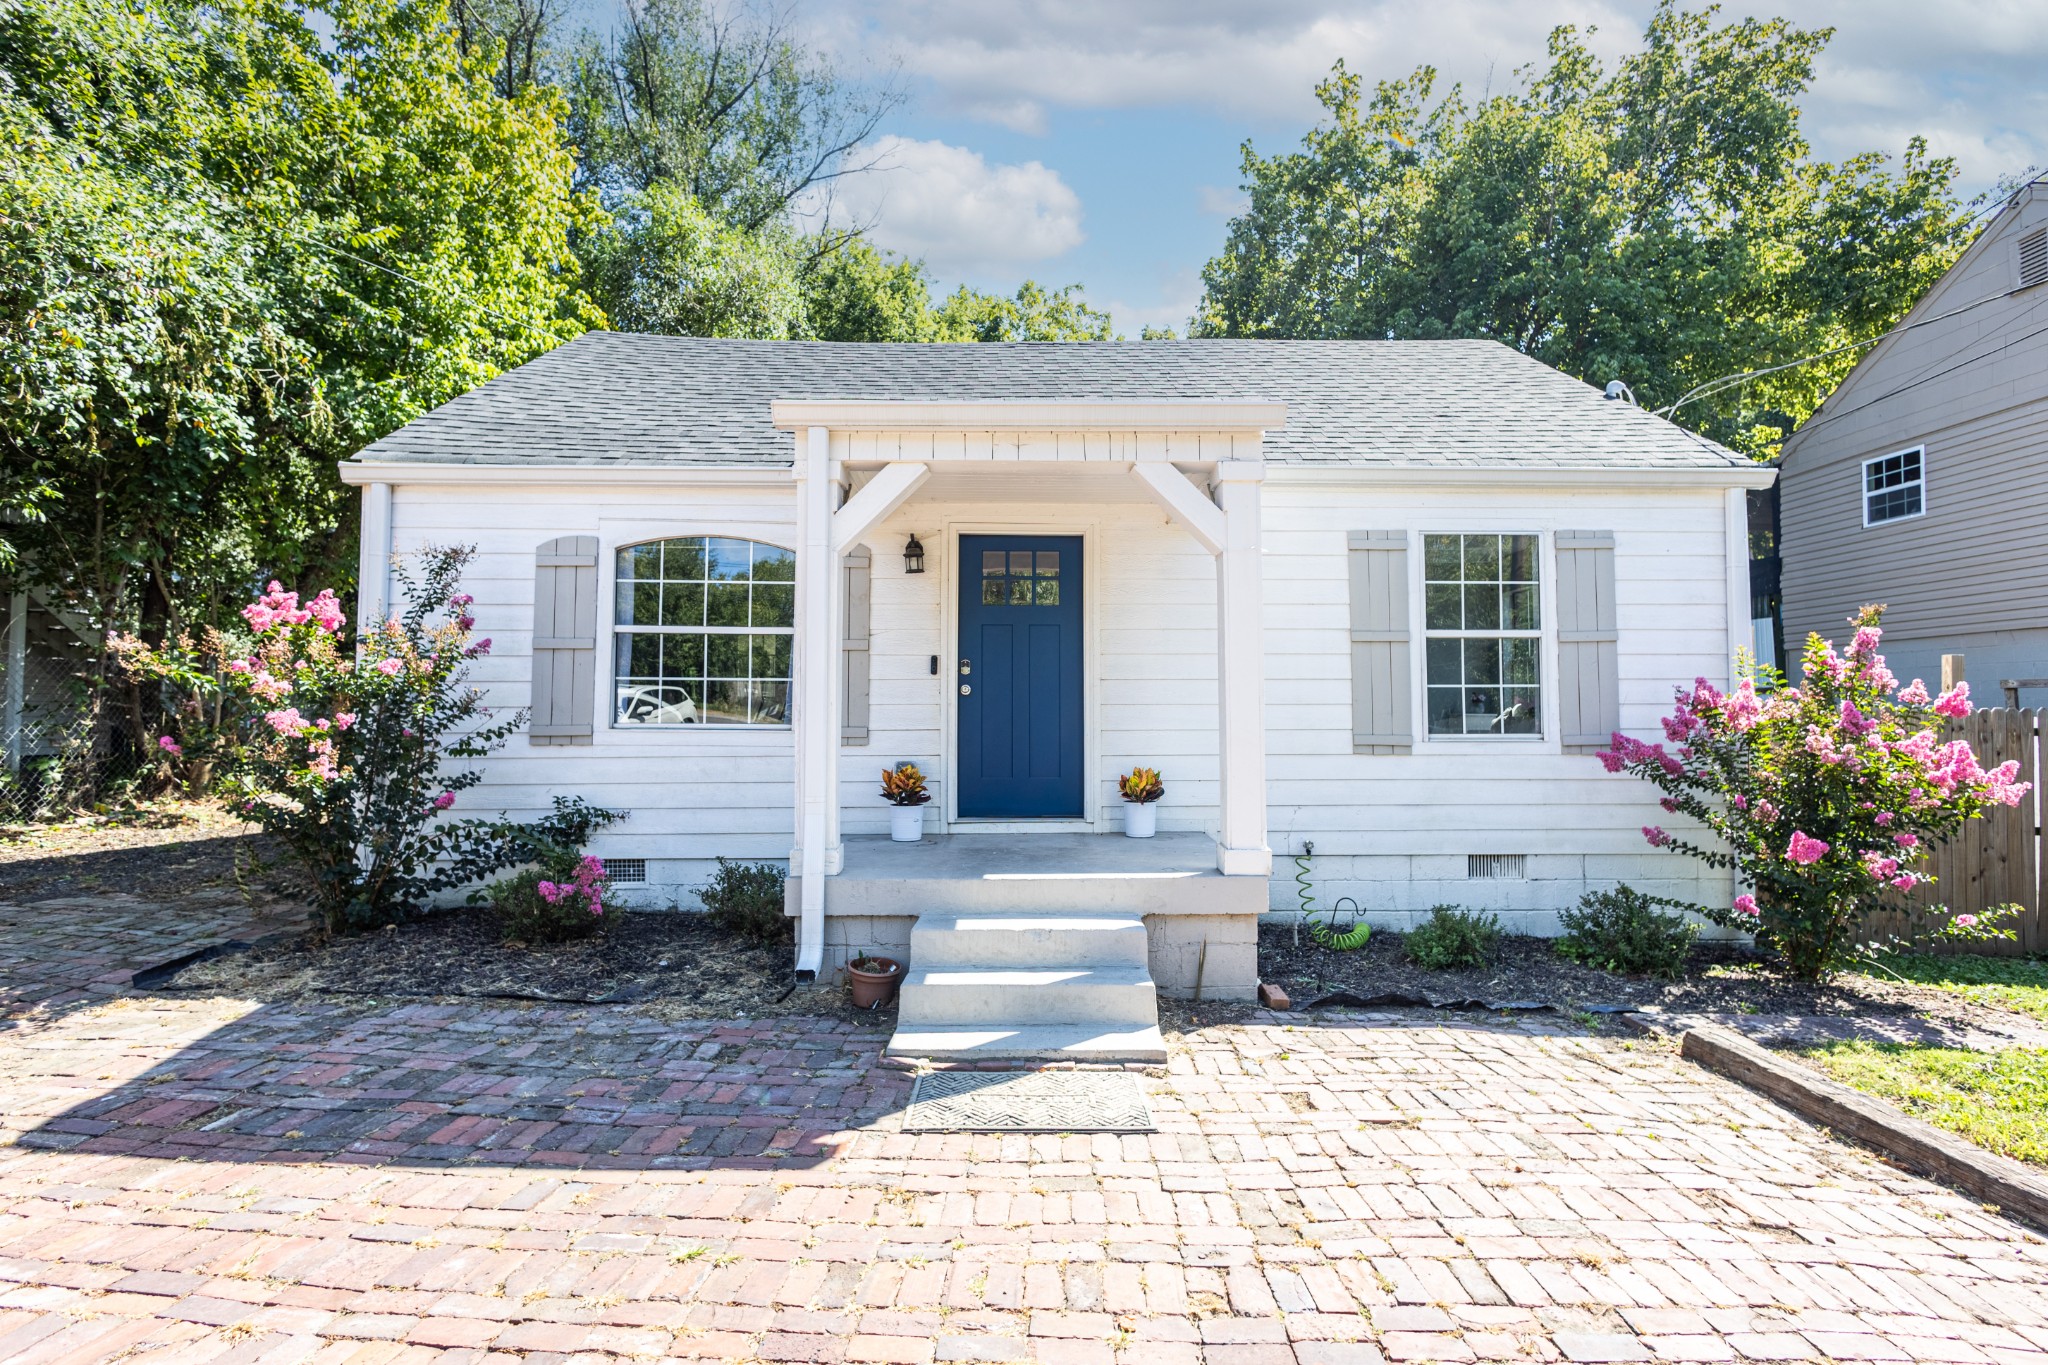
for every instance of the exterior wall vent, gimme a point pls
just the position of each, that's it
(1496, 866)
(2034, 258)
(626, 869)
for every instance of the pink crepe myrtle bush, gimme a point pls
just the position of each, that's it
(1824, 798)
(347, 756)
(200, 714)
(567, 896)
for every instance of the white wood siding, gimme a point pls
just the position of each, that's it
(1392, 830)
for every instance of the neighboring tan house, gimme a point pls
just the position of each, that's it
(1922, 482)
(1388, 598)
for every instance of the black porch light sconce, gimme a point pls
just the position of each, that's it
(913, 555)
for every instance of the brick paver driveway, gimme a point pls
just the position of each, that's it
(355, 1180)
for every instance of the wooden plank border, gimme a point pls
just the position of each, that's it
(1986, 1176)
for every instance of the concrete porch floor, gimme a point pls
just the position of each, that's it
(1029, 857)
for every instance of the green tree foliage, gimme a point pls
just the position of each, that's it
(1033, 313)
(665, 264)
(1662, 222)
(731, 106)
(233, 250)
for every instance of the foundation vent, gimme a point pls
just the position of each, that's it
(1496, 866)
(626, 869)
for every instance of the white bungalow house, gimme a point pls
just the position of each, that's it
(1384, 598)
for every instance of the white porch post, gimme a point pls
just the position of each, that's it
(1241, 673)
(816, 729)
(373, 557)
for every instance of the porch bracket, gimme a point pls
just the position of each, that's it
(880, 496)
(1184, 503)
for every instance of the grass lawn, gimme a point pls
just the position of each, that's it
(1998, 1100)
(2014, 983)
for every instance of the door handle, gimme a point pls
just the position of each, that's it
(966, 689)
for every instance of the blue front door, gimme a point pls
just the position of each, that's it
(1019, 676)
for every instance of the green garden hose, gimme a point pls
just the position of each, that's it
(1326, 933)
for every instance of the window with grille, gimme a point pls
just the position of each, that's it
(2034, 258)
(1484, 634)
(1894, 487)
(702, 632)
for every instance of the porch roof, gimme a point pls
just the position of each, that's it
(622, 399)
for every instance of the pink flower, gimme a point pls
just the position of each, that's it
(1746, 905)
(466, 622)
(1906, 840)
(1865, 640)
(1739, 801)
(389, 666)
(1804, 849)
(344, 719)
(444, 800)
(1905, 881)
(1954, 702)
(551, 891)
(1879, 867)
(480, 648)
(238, 665)
(1657, 837)
(1965, 921)
(326, 611)
(1883, 817)
(321, 760)
(461, 599)
(168, 745)
(1915, 694)
(1670, 806)
(285, 722)
(266, 687)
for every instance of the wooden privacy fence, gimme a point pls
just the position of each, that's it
(1995, 859)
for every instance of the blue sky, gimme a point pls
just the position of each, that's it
(1098, 140)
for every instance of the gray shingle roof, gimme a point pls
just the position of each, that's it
(616, 398)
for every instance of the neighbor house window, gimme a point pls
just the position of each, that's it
(1483, 631)
(1894, 487)
(702, 634)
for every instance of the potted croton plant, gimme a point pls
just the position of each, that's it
(1141, 790)
(903, 789)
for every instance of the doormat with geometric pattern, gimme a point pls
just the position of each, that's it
(1027, 1102)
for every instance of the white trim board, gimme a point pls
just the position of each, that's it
(1190, 414)
(399, 472)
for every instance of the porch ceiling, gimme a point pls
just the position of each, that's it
(1025, 481)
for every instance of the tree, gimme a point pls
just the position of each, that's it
(1033, 313)
(733, 108)
(1662, 223)
(854, 292)
(233, 250)
(666, 265)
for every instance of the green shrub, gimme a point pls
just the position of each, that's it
(562, 899)
(1452, 938)
(746, 899)
(1623, 931)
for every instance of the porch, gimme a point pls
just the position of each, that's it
(1201, 926)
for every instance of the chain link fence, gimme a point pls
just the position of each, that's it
(53, 768)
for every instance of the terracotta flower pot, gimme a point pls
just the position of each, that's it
(872, 988)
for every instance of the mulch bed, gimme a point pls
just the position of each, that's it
(157, 850)
(1720, 979)
(675, 960)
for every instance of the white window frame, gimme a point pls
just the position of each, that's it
(1545, 636)
(609, 603)
(1864, 491)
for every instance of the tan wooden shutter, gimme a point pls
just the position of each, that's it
(564, 641)
(859, 579)
(1382, 681)
(1588, 657)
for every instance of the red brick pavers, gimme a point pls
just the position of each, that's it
(348, 1181)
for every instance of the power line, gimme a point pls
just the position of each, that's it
(1729, 381)
(2000, 349)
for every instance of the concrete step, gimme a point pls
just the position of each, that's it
(1028, 940)
(1111, 996)
(1037, 1042)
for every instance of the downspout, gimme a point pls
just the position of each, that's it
(817, 732)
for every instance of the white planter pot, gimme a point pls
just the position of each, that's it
(906, 824)
(1141, 819)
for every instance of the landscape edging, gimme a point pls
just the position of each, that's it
(1912, 1142)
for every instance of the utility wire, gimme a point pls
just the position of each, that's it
(2000, 349)
(1729, 381)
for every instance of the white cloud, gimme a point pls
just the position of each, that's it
(1222, 203)
(1964, 72)
(957, 212)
